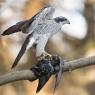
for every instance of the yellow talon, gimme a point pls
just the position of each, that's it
(45, 55)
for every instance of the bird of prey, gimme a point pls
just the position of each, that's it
(40, 28)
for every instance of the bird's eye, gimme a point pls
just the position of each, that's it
(65, 19)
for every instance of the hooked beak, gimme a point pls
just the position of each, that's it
(67, 21)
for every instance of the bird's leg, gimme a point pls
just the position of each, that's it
(45, 55)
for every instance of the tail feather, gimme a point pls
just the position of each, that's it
(22, 51)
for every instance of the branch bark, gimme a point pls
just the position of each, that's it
(29, 75)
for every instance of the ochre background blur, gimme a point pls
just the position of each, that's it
(78, 40)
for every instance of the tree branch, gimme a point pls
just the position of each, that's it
(29, 75)
(78, 63)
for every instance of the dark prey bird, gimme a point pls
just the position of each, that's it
(40, 28)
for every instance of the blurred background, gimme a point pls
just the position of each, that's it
(78, 40)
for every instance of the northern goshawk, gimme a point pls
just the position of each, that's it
(39, 28)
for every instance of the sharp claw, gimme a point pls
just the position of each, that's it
(45, 55)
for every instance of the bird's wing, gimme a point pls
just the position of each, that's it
(45, 13)
(42, 81)
(58, 76)
(22, 50)
(15, 28)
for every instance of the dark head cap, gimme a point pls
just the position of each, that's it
(62, 19)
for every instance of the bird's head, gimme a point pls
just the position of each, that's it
(62, 20)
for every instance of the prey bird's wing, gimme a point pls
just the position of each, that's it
(58, 76)
(15, 28)
(42, 81)
(22, 50)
